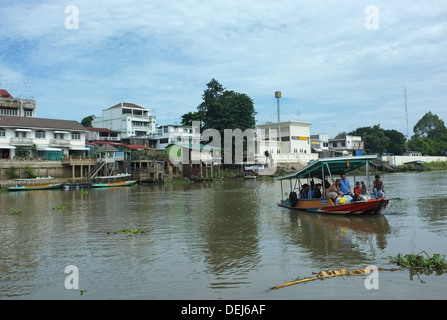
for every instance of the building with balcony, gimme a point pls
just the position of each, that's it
(102, 134)
(10, 106)
(175, 133)
(350, 145)
(129, 119)
(46, 139)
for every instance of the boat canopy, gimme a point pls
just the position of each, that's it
(329, 166)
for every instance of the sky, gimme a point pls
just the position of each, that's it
(339, 65)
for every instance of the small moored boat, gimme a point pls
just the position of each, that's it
(35, 187)
(119, 180)
(322, 169)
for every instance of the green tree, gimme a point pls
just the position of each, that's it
(87, 121)
(189, 117)
(375, 140)
(223, 109)
(429, 126)
(430, 136)
(397, 144)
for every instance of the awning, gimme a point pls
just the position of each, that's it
(48, 149)
(57, 131)
(79, 148)
(23, 130)
(2, 146)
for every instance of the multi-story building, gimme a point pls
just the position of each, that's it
(46, 139)
(286, 142)
(350, 145)
(175, 133)
(102, 134)
(129, 119)
(319, 142)
(10, 106)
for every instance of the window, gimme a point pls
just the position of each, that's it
(40, 134)
(76, 136)
(2, 133)
(8, 112)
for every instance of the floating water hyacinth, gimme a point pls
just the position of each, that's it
(126, 231)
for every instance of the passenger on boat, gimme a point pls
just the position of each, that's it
(317, 192)
(363, 187)
(378, 188)
(304, 193)
(358, 192)
(345, 187)
(334, 191)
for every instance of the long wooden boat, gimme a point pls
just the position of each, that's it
(120, 180)
(35, 187)
(321, 170)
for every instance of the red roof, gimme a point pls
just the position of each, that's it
(5, 94)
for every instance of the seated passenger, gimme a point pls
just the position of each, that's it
(304, 193)
(358, 192)
(317, 192)
(334, 191)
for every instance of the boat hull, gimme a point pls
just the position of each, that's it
(36, 187)
(370, 207)
(114, 184)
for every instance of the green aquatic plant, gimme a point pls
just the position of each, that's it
(417, 263)
(126, 231)
(16, 212)
(63, 207)
(83, 291)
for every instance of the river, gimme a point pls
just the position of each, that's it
(216, 241)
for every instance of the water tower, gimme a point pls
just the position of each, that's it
(277, 96)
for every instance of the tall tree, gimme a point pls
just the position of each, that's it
(397, 144)
(429, 126)
(223, 109)
(87, 121)
(430, 136)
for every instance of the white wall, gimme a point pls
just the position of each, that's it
(400, 160)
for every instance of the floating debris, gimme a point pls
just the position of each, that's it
(126, 231)
(329, 274)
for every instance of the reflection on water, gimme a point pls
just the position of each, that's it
(217, 240)
(337, 240)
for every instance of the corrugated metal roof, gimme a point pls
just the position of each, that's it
(41, 123)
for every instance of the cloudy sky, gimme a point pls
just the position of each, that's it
(339, 64)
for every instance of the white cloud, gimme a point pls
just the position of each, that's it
(161, 55)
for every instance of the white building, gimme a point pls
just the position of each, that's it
(10, 106)
(286, 142)
(102, 134)
(319, 142)
(175, 133)
(45, 139)
(350, 145)
(129, 119)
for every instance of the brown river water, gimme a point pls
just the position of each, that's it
(217, 240)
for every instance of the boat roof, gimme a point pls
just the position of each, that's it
(329, 166)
